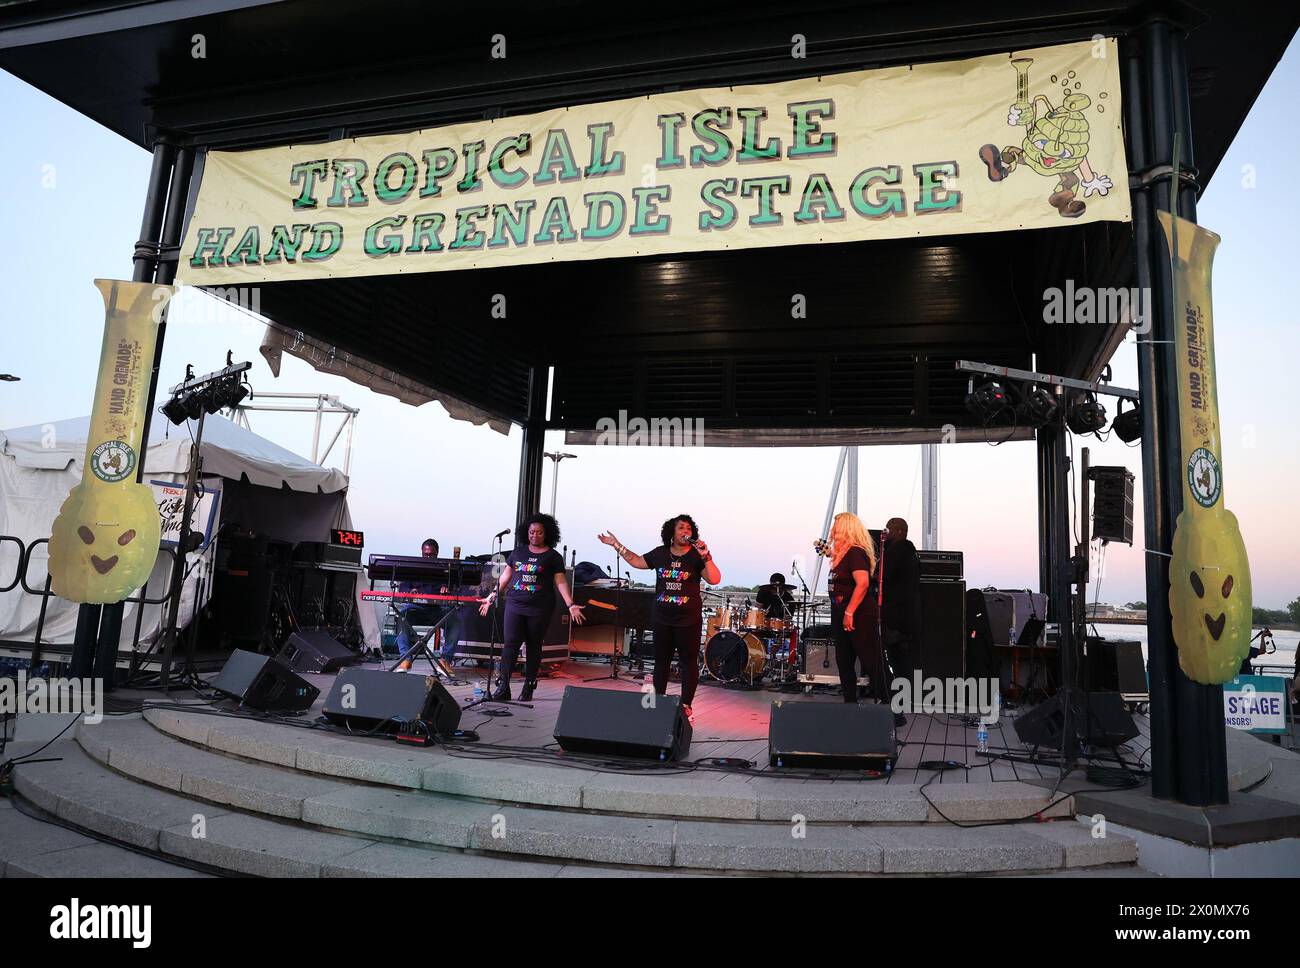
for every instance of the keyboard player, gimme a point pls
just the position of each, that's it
(418, 614)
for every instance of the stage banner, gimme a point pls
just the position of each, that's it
(104, 542)
(1210, 598)
(1009, 141)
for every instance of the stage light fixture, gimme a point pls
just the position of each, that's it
(1085, 414)
(988, 401)
(174, 410)
(1128, 425)
(1038, 405)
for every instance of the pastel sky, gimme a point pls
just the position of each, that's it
(71, 213)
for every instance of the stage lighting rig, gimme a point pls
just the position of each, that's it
(193, 397)
(989, 401)
(1128, 425)
(1038, 405)
(1085, 414)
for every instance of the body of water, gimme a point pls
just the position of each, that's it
(1286, 641)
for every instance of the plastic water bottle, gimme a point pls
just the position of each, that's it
(478, 692)
(982, 737)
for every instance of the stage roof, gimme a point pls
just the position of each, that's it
(705, 335)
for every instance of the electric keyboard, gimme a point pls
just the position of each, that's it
(433, 571)
(413, 597)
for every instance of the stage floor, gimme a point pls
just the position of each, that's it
(733, 723)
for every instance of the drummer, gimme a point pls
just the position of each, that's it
(776, 597)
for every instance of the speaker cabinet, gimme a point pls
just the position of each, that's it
(614, 721)
(1116, 666)
(315, 651)
(941, 651)
(1098, 719)
(261, 682)
(1112, 503)
(371, 700)
(831, 735)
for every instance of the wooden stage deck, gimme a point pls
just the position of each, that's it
(733, 723)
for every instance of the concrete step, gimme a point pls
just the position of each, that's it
(378, 813)
(30, 847)
(702, 795)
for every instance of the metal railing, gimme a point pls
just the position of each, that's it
(45, 594)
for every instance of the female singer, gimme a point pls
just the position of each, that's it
(533, 572)
(678, 610)
(854, 612)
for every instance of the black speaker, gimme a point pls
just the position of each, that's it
(375, 701)
(1098, 718)
(617, 722)
(1115, 666)
(1112, 503)
(261, 682)
(831, 735)
(941, 651)
(315, 652)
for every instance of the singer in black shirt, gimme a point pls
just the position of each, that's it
(855, 615)
(533, 574)
(679, 564)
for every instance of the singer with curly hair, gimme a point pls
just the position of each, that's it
(534, 572)
(679, 564)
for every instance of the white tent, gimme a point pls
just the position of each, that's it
(255, 482)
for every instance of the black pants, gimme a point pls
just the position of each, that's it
(862, 644)
(527, 630)
(684, 642)
(898, 650)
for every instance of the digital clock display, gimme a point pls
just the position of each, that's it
(353, 539)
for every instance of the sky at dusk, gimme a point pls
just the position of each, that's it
(73, 194)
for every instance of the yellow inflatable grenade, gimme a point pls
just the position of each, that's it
(1210, 598)
(105, 540)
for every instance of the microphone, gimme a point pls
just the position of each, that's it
(501, 534)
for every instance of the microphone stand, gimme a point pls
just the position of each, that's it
(492, 661)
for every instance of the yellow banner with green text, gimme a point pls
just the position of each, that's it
(104, 542)
(1210, 599)
(1031, 139)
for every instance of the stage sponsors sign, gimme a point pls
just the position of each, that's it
(1256, 704)
(1009, 141)
(170, 499)
(105, 539)
(1210, 599)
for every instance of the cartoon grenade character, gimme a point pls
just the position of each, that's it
(1055, 144)
(104, 542)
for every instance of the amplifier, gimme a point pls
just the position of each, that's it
(940, 651)
(942, 565)
(817, 644)
(312, 552)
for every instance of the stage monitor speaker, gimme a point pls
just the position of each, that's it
(316, 652)
(612, 721)
(1099, 719)
(372, 700)
(831, 736)
(1112, 503)
(1116, 666)
(261, 682)
(941, 651)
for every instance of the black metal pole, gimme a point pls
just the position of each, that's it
(533, 447)
(178, 572)
(88, 642)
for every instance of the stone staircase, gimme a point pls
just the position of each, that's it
(245, 797)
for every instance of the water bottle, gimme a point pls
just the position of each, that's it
(478, 691)
(982, 737)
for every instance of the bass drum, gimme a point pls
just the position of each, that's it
(729, 656)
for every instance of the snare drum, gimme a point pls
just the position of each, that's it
(729, 656)
(719, 619)
(776, 626)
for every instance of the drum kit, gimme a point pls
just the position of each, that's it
(743, 645)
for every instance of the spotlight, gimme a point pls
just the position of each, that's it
(1128, 426)
(1038, 405)
(988, 401)
(193, 404)
(1085, 415)
(174, 410)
